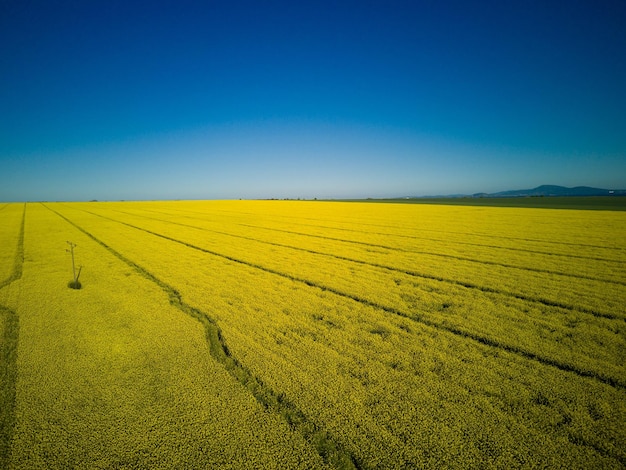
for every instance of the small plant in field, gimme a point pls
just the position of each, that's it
(75, 284)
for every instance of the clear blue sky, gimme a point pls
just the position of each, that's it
(159, 100)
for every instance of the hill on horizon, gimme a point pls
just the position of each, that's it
(547, 190)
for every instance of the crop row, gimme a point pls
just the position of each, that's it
(394, 391)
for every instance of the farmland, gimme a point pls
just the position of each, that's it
(288, 334)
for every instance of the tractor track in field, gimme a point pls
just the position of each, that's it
(330, 451)
(413, 237)
(445, 232)
(468, 285)
(410, 237)
(483, 235)
(443, 255)
(612, 381)
(459, 242)
(8, 355)
(430, 253)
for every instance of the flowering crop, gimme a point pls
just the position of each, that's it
(114, 376)
(385, 336)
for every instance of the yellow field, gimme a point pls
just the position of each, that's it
(284, 334)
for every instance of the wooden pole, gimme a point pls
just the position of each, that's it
(72, 245)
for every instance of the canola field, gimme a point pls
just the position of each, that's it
(306, 334)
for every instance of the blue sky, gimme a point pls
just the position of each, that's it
(162, 100)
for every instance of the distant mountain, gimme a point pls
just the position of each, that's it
(545, 190)
(552, 190)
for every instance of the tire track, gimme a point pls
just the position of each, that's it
(484, 235)
(443, 255)
(612, 381)
(8, 356)
(330, 451)
(489, 235)
(410, 237)
(459, 242)
(468, 285)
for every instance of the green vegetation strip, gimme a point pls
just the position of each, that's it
(332, 453)
(8, 356)
(612, 381)
(603, 203)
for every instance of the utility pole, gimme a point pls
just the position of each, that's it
(75, 284)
